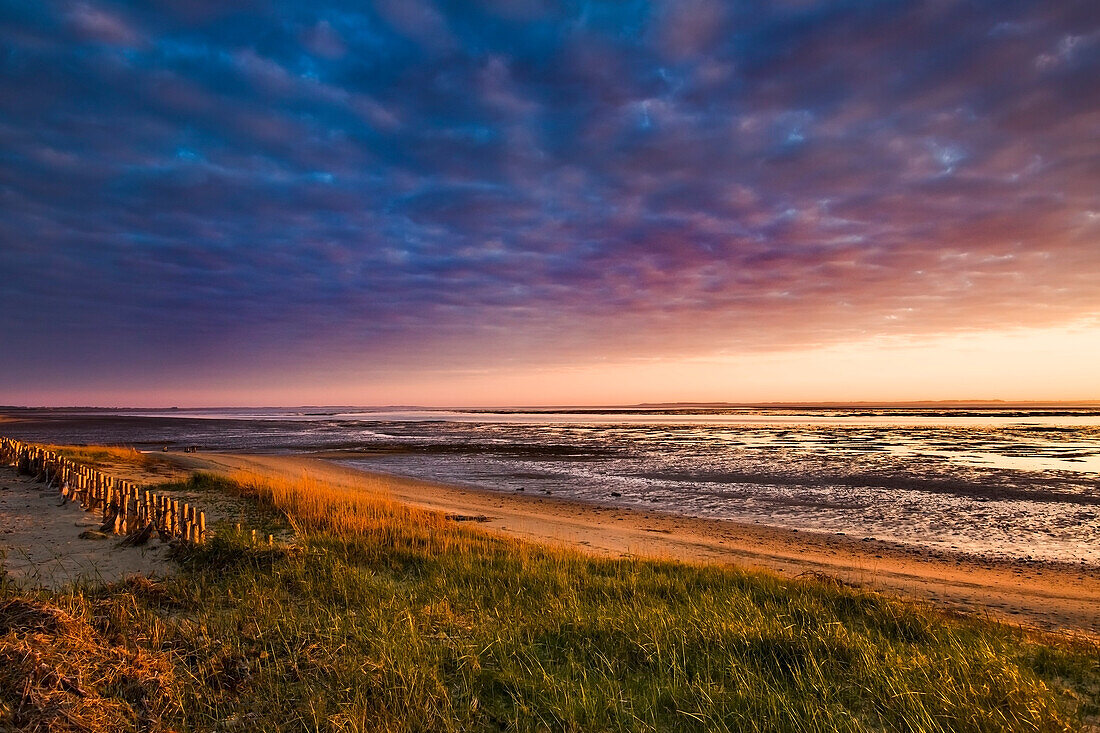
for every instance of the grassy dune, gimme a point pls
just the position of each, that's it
(102, 456)
(384, 617)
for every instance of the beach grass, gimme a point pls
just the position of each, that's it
(381, 617)
(104, 456)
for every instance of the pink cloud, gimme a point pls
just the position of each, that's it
(97, 24)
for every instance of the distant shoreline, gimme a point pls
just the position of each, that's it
(637, 408)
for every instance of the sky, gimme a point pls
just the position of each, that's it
(523, 202)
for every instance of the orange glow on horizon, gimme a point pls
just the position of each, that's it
(1021, 365)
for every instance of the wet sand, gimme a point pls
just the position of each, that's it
(1045, 595)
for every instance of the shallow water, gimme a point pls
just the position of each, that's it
(1007, 483)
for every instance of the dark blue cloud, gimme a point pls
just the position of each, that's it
(239, 186)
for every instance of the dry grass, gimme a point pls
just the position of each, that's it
(367, 511)
(65, 665)
(312, 505)
(103, 456)
(123, 461)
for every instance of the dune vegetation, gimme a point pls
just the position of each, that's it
(101, 456)
(378, 616)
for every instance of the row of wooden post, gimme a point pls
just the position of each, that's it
(125, 507)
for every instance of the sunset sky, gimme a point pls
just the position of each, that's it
(535, 202)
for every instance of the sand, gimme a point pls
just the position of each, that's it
(42, 542)
(1049, 596)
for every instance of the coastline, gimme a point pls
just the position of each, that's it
(1043, 595)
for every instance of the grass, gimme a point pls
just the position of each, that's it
(384, 617)
(103, 456)
(62, 669)
(122, 460)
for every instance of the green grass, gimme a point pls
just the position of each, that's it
(387, 618)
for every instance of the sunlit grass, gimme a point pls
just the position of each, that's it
(122, 461)
(386, 617)
(348, 511)
(99, 456)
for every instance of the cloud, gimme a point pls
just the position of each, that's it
(421, 21)
(687, 28)
(101, 25)
(407, 183)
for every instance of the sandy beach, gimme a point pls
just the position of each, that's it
(1049, 596)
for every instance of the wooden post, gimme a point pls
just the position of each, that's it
(124, 506)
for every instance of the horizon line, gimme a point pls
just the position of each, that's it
(819, 404)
